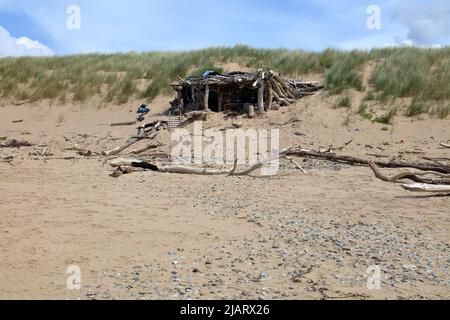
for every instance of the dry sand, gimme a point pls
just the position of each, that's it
(167, 236)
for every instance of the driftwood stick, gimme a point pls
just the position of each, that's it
(120, 124)
(296, 164)
(263, 162)
(445, 145)
(233, 170)
(423, 187)
(119, 149)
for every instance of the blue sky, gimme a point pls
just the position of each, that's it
(39, 27)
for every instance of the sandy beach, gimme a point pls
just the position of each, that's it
(151, 235)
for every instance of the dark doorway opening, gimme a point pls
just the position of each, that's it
(213, 102)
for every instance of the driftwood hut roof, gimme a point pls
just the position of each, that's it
(236, 77)
(246, 79)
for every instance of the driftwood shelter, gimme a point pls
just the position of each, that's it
(240, 92)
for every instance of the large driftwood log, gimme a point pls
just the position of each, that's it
(123, 166)
(128, 163)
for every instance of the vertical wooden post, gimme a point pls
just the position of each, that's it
(261, 97)
(180, 97)
(206, 97)
(170, 119)
(269, 96)
(219, 106)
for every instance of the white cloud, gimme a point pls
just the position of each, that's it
(10, 46)
(427, 22)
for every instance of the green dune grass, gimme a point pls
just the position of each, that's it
(423, 74)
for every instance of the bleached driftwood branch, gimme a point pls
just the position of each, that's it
(126, 165)
(430, 185)
(423, 187)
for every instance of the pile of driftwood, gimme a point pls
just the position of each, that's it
(150, 131)
(285, 91)
(145, 132)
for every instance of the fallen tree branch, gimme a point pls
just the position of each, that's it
(414, 176)
(359, 161)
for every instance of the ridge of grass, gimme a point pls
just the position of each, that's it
(423, 74)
